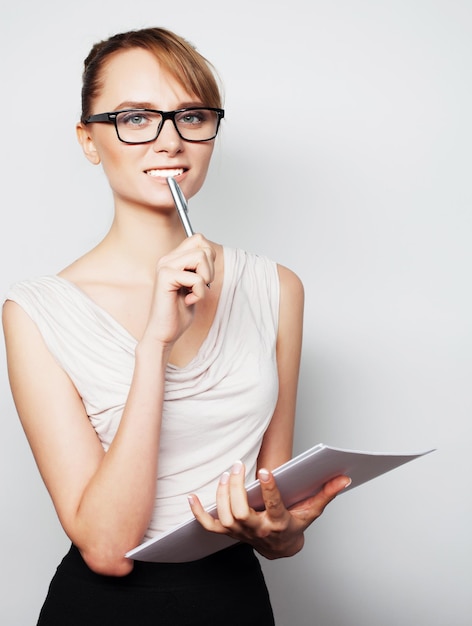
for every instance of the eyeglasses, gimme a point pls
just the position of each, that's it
(144, 125)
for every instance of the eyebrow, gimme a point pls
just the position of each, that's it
(131, 104)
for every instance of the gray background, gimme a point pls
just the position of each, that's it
(346, 155)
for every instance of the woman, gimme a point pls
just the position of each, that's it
(127, 366)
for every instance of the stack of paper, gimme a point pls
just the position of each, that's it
(299, 478)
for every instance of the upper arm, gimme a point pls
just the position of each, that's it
(278, 440)
(65, 446)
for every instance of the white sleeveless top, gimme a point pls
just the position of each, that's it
(216, 408)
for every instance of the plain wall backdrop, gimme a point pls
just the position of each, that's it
(345, 155)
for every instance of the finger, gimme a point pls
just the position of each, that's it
(203, 262)
(200, 262)
(335, 486)
(185, 283)
(237, 493)
(192, 258)
(196, 288)
(223, 502)
(204, 518)
(207, 267)
(273, 502)
(311, 508)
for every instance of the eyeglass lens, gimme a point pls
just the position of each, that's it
(136, 126)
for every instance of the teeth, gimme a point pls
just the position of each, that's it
(165, 173)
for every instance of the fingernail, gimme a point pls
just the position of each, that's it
(224, 478)
(237, 467)
(264, 475)
(348, 482)
(191, 500)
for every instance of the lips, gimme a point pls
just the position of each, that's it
(165, 172)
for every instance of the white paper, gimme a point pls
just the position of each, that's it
(298, 479)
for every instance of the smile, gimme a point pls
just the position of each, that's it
(165, 173)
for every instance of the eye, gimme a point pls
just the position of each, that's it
(135, 119)
(193, 118)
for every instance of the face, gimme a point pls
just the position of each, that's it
(137, 173)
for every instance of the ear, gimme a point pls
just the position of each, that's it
(86, 141)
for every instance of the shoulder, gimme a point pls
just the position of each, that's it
(281, 281)
(10, 312)
(17, 296)
(250, 270)
(30, 286)
(292, 301)
(33, 295)
(45, 301)
(21, 334)
(291, 285)
(288, 282)
(241, 261)
(20, 301)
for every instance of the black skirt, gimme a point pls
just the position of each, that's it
(223, 589)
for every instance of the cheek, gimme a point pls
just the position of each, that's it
(118, 162)
(112, 152)
(204, 158)
(114, 169)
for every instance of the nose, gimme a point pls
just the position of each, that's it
(168, 139)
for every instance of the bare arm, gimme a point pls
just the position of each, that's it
(278, 440)
(104, 500)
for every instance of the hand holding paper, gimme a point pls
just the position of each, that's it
(274, 531)
(298, 479)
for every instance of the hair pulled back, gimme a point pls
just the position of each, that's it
(175, 54)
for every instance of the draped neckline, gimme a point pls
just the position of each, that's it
(121, 329)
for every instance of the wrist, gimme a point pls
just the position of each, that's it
(281, 549)
(151, 348)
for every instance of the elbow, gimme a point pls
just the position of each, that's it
(107, 565)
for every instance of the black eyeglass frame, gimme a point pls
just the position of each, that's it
(110, 118)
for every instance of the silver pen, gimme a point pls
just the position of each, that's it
(180, 204)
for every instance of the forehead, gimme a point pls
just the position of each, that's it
(136, 76)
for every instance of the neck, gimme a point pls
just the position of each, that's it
(138, 238)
